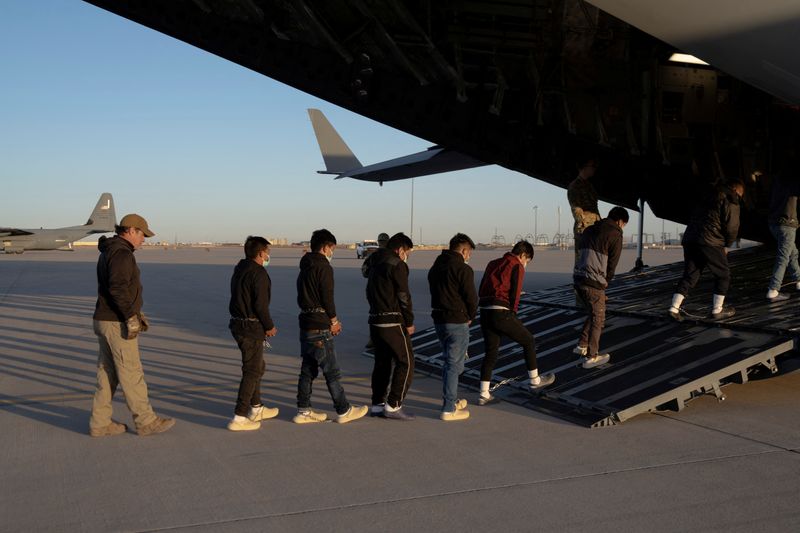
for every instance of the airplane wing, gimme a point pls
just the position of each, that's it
(13, 232)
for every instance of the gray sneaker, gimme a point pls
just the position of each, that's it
(544, 381)
(597, 360)
(400, 414)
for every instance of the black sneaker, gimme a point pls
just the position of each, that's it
(676, 316)
(726, 312)
(400, 414)
(482, 400)
(376, 410)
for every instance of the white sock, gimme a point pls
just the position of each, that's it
(390, 409)
(772, 293)
(719, 299)
(677, 300)
(485, 389)
(534, 376)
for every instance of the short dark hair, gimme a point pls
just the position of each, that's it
(460, 240)
(733, 182)
(121, 230)
(399, 240)
(320, 239)
(254, 246)
(619, 213)
(523, 247)
(585, 160)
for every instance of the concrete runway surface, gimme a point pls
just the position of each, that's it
(733, 466)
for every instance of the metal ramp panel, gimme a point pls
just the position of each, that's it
(656, 363)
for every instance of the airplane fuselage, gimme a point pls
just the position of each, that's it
(44, 239)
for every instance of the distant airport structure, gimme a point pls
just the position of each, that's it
(102, 220)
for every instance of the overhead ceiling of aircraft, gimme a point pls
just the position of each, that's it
(532, 85)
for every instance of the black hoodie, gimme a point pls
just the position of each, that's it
(315, 292)
(251, 290)
(452, 285)
(119, 290)
(387, 290)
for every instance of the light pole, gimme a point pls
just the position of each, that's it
(535, 223)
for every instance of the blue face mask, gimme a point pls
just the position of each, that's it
(266, 262)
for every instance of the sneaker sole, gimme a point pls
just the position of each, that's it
(231, 427)
(297, 420)
(490, 401)
(453, 418)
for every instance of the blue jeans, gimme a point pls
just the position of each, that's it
(455, 341)
(786, 255)
(318, 354)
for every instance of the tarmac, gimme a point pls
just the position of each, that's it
(731, 466)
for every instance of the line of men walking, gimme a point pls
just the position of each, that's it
(118, 316)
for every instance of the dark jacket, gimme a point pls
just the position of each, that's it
(502, 282)
(119, 290)
(599, 250)
(452, 285)
(251, 290)
(387, 290)
(315, 292)
(715, 222)
(783, 201)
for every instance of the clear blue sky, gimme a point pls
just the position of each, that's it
(207, 150)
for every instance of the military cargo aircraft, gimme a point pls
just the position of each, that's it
(535, 85)
(102, 220)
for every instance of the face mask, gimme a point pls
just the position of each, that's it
(329, 257)
(266, 262)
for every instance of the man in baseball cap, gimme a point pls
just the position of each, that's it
(135, 221)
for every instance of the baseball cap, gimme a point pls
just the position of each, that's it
(135, 221)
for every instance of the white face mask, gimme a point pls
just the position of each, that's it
(329, 257)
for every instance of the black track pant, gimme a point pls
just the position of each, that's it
(697, 258)
(392, 345)
(496, 323)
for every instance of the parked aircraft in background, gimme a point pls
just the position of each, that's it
(102, 220)
(341, 161)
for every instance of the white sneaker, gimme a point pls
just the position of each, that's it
(308, 416)
(259, 413)
(242, 423)
(597, 360)
(354, 413)
(580, 350)
(450, 416)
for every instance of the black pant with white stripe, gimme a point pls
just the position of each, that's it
(392, 345)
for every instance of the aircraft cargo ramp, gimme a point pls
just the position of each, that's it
(657, 363)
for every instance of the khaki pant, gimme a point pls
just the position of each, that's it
(582, 222)
(118, 363)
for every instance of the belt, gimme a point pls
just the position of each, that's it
(312, 310)
(385, 314)
(244, 319)
(317, 331)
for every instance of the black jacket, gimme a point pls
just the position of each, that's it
(715, 222)
(387, 290)
(119, 290)
(251, 290)
(783, 201)
(599, 250)
(452, 284)
(315, 292)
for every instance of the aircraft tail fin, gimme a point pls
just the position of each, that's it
(337, 156)
(103, 217)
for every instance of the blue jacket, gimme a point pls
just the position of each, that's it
(599, 250)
